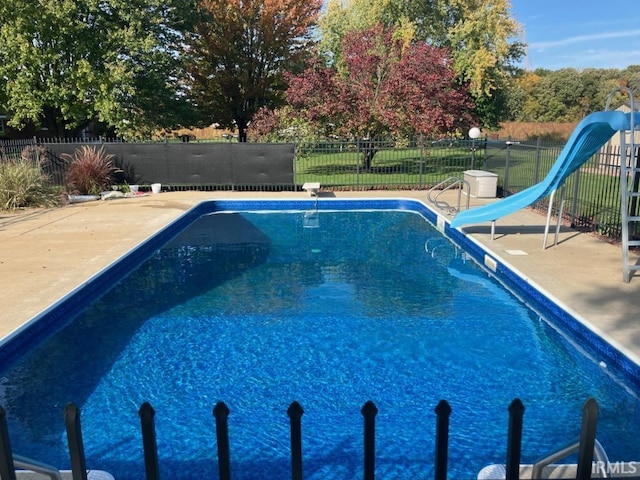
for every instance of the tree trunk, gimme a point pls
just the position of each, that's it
(242, 129)
(53, 123)
(369, 150)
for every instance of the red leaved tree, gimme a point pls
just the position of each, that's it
(385, 88)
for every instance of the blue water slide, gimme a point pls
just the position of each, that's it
(587, 138)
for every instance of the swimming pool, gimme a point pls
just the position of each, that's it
(262, 309)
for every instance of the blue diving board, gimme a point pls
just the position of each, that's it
(587, 138)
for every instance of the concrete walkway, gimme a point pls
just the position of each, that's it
(46, 254)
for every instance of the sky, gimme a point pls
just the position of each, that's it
(579, 33)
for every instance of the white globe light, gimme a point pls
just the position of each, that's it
(474, 133)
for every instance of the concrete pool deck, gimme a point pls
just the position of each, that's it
(45, 254)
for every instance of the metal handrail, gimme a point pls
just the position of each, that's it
(453, 182)
(570, 449)
(36, 466)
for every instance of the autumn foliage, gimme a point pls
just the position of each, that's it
(240, 52)
(387, 87)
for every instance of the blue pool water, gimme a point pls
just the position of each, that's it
(329, 308)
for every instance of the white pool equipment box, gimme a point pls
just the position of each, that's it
(481, 184)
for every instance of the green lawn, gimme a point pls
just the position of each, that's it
(411, 167)
(592, 196)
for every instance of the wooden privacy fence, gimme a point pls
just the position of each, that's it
(295, 412)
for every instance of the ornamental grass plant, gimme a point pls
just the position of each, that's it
(89, 170)
(23, 183)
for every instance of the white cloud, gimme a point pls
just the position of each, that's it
(588, 58)
(541, 46)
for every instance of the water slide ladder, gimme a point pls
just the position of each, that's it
(446, 185)
(629, 186)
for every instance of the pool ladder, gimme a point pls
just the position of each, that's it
(444, 186)
(569, 449)
(38, 467)
(28, 466)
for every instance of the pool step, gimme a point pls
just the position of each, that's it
(36, 470)
(63, 474)
(565, 471)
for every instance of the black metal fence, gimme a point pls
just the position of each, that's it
(592, 194)
(295, 412)
(366, 165)
(176, 165)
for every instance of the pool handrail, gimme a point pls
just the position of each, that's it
(451, 182)
(38, 467)
(569, 449)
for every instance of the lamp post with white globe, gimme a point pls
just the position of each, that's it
(474, 134)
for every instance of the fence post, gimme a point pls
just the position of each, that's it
(443, 411)
(149, 444)
(295, 412)
(636, 181)
(221, 413)
(574, 200)
(536, 168)
(505, 186)
(421, 140)
(587, 439)
(358, 149)
(369, 412)
(484, 152)
(514, 440)
(74, 438)
(7, 468)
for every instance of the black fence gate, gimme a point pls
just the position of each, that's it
(585, 450)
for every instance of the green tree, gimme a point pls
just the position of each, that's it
(632, 78)
(565, 95)
(66, 63)
(240, 51)
(520, 96)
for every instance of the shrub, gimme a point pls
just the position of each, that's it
(23, 185)
(89, 170)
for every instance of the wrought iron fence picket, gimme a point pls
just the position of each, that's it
(221, 414)
(443, 412)
(149, 443)
(369, 412)
(587, 439)
(74, 438)
(295, 413)
(514, 440)
(7, 468)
